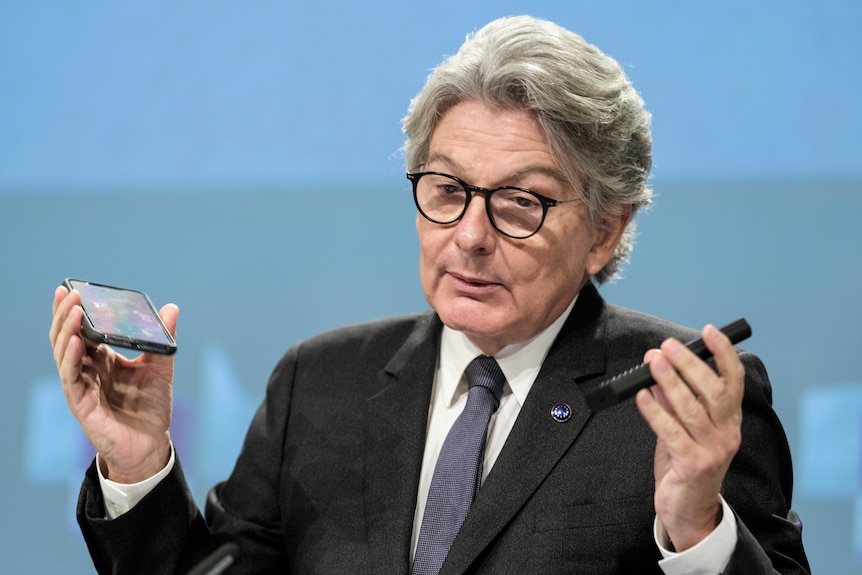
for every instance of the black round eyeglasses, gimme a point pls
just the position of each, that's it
(514, 212)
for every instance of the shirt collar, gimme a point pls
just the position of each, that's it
(519, 362)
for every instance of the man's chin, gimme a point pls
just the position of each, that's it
(476, 321)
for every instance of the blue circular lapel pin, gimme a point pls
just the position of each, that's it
(561, 412)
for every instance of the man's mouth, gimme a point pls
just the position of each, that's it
(471, 282)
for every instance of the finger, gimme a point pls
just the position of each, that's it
(659, 395)
(697, 395)
(63, 302)
(655, 390)
(70, 329)
(662, 421)
(726, 397)
(719, 395)
(675, 414)
(696, 376)
(668, 366)
(672, 391)
(169, 314)
(674, 370)
(59, 295)
(70, 366)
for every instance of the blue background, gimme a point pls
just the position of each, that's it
(241, 159)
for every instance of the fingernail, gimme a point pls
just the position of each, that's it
(673, 347)
(661, 364)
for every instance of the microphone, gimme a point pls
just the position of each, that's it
(629, 382)
(216, 562)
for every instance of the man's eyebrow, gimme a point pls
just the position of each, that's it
(438, 157)
(512, 178)
(552, 173)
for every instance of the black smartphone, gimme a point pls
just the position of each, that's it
(122, 317)
(629, 382)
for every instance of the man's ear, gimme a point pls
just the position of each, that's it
(607, 237)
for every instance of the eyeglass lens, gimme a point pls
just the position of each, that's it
(443, 199)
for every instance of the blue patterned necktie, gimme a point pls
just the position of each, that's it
(458, 472)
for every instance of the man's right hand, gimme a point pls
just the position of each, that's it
(123, 405)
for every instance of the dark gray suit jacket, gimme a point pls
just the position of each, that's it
(327, 478)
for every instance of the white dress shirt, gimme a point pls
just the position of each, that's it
(520, 364)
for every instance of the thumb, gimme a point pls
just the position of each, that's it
(169, 313)
(650, 354)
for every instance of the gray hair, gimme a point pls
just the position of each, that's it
(594, 120)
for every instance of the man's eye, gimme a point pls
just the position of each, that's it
(512, 199)
(526, 202)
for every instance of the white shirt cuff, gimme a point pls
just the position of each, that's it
(120, 497)
(709, 557)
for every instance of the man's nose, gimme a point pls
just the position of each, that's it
(475, 230)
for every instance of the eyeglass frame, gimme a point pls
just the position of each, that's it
(544, 201)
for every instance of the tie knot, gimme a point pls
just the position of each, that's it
(485, 372)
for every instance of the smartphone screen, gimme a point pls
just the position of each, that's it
(122, 317)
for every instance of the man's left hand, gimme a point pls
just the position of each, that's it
(696, 415)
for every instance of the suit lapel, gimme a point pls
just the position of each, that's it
(536, 442)
(396, 427)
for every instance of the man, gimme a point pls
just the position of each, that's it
(529, 153)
